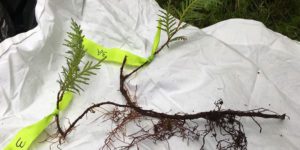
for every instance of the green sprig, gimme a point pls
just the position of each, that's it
(186, 12)
(72, 75)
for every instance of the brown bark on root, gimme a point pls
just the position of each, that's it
(223, 125)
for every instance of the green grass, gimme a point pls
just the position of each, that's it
(282, 16)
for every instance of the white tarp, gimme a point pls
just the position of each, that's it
(240, 61)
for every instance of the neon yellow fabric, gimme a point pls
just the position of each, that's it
(117, 55)
(155, 41)
(27, 135)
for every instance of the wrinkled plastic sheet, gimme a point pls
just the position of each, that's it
(239, 61)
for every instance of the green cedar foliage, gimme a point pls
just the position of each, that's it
(170, 25)
(279, 15)
(74, 76)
